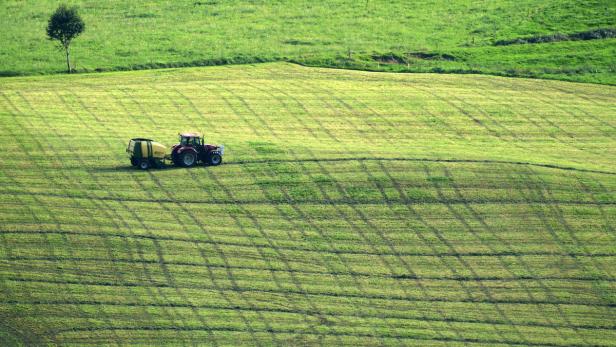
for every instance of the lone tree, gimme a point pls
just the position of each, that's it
(65, 25)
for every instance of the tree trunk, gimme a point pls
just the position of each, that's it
(68, 62)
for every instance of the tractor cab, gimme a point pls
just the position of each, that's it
(191, 139)
(192, 149)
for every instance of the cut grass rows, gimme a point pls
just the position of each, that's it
(355, 208)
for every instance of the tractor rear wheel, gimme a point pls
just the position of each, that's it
(215, 159)
(144, 164)
(188, 159)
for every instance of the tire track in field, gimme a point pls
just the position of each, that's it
(219, 250)
(543, 98)
(106, 208)
(163, 264)
(335, 251)
(563, 221)
(323, 98)
(423, 108)
(467, 227)
(341, 190)
(444, 241)
(262, 232)
(205, 87)
(549, 293)
(122, 203)
(285, 260)
(356, 274)
(285, 193)
(264, 236)
(116, 100)
(290, 112)
(67, 179)
(29, 339)
(410, 270)
(344, 201)
(469, 115)
(511, 86)
(160, 259)
(319, 230)
(160, 254)
(194, 107)
(305, 112)
(292, 203)
(498, 124)
(573, 94)
(555, 208)
(503, 264)
(57, 223)
(535, 188)
(227, 266)
(322, 232)
(299, 332)
(378, 232)
(353, 100)
(246, 105)
(134, 99)
(50, 250)
(434, 160)
(346, 296)
(58, 273)
(588, 190)
(166, 96)
(436, 232)
(277, 201)
(289, 221)
(348, 108)
(444, 129)
(88, 109)
(137, 217)
(298, 312)
(381, 234)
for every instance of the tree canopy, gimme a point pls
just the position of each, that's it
(64, 25)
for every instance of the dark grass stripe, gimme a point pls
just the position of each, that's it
(300, 332)
(130, 260)
(339, 202)
(336, 295)
(310, 312)
(313, 250)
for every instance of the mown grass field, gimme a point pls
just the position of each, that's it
(353, 208)
(135, 35)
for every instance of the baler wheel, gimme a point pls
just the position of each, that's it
(144, 164)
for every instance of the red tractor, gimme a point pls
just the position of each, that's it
(192, 149)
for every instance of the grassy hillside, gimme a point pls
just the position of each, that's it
(150, 34)
(354, 208)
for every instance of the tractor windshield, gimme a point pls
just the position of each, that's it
(190, 141)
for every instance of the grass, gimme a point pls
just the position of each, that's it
(153, 34)
(353, 208)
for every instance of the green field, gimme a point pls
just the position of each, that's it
(353, 208)
(381, 35)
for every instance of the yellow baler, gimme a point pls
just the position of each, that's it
(146, 153)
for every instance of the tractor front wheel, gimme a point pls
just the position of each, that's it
(144, 164)
(188, 159)
(215, 159)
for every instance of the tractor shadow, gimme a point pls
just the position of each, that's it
(130, 168)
